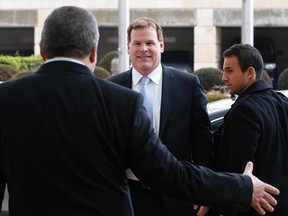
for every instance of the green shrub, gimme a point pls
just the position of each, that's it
(7, 71)
(22, 62)
(209, 77)
(22, 74)
(221, 89)
(101, 72)
(266, 77)
(214, 96)
(105, 61)
(31, 62)
(10, 60)
(283, 80)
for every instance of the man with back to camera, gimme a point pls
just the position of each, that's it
(256, 127)
(65, 149)
(179, 114)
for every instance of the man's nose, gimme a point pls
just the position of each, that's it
(144, 48)
(224, 77)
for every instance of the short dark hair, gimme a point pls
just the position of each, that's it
(69, 31)
(248, 56)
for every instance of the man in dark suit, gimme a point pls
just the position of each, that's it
(179, 113)
(256, 127)
(65, 148)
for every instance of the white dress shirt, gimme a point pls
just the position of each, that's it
(64, 59)
(155, 89)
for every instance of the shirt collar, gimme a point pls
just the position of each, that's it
(155, 75)
(64, 59)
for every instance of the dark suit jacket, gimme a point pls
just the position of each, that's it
(256, 129)
(184, 122)
(65, 146)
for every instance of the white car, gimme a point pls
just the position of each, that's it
(217, 109)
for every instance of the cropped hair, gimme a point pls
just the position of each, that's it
(69, 31)
(144, 22)
(248, 56)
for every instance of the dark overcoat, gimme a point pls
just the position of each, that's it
(256, 129)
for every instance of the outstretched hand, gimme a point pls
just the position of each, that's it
(201, 210)
(262, 199)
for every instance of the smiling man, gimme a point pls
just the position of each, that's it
(178, 116)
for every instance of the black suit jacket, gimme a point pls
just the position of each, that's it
(65, 147)
(184, 123)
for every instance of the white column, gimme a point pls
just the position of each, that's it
(123, 7)
(206, 41)
(247, 32)
(42, 14)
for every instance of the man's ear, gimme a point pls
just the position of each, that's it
(93, 54)
(251, 73)
(128, 48)
(162, 46)
(42, 53)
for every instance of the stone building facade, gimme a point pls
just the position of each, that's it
(211, 22)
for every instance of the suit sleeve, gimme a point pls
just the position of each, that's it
(150, 160)
(201, 135)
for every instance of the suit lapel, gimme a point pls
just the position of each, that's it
(126, 79)
(168, 94)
